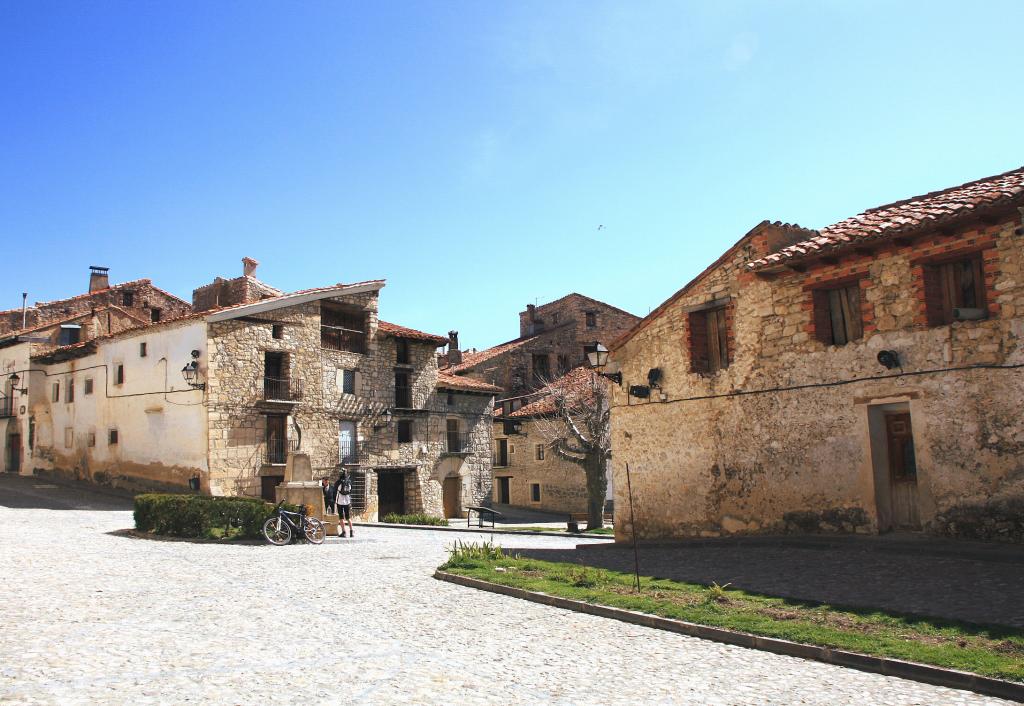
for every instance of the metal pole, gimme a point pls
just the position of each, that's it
(632, 524)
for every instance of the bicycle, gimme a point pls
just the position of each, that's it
(281, 527)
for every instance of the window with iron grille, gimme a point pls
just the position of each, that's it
(347, 451)
(342, 329)
(837, 315)
(591, 319)
(404, 431)
(88, 386)
(128, 298)
(535, 492)
(540, 452)
(957, 285)
(348, 382)
(709, 340)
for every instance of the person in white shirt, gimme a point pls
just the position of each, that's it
(343, 502)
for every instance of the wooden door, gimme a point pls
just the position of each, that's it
(277, 452)
(502, 452)
(390, 493)
(503, 490)
(452, 496)
(14, 453)
(902, 471)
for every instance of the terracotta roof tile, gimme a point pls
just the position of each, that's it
(471, 360)
(459, 382)
(389, 329)
(916, 213)
(577, 385)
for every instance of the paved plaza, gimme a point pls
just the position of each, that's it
(90, 617)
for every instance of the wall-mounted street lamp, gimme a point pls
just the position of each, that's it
(890, 359)
(598, 358)
(192, 374)
(14, 384)
(382, 420)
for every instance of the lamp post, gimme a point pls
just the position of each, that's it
(598, 358)
(14, 380)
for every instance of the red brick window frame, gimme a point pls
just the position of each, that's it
(710, 339)
(958, 281)
(838, 312)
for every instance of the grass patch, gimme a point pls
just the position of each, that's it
(417, 519)
(987, 650)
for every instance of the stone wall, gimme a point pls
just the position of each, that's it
(786, 437)
(563, 484)
(238, 417)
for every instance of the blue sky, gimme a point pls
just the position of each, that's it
(467, 151)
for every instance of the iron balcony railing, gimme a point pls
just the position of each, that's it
(6, 407)
(457, 442)
(403, 397)
(277, 450)
(282, 389)
(348, 452)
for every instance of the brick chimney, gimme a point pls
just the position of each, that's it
(454, 354)
(98, 278)
(249, 267)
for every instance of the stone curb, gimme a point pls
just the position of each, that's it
(938, 676)
(487, 530)
(149, 536)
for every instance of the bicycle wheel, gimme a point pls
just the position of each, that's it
(314, 530)
(277, 531)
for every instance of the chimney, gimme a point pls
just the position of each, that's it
(454, 356)
(249, 267)
(98, 278)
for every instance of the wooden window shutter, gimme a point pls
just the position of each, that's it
(933, 297)
(698, 341)
(822, 320)
(718, 339)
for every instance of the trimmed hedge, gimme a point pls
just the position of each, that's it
(418, 519)
(201, 516)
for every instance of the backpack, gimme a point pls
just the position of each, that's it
(345, 486)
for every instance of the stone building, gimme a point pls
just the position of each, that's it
(553, 339)
(220, 398)
(527, 470)
(861, 378)
(103, 309)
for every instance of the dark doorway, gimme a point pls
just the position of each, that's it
(390, 493)
(277, 450)
(503, 490)
(267, 486)
(275, 376)
(502, 459)
(14, 453)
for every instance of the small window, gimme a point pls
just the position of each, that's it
(591, 318)
(402, 351)
(709, 340)
(541, 369)
(56, 392)
(540, 452)
(535, 492)
(112, 437)
(142, 349)
(69, 333)
(348, 382)
(69, 391)
(154, 315)
(563, 364)
(554, 318)
(837, 315)
(88, 386)
(91, 439)
(404, 431)
(128, 298)
(451, 398)
(119, 374)
(277, 331)
(69, 437)
(955, 291)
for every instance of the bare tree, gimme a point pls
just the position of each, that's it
(575, 422)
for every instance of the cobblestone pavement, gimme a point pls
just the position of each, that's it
(88, 617)
(982, 585)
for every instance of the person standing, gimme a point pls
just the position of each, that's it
(343, 501)
(328, 491)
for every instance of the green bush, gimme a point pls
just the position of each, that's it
(200, 515)
(418, 519)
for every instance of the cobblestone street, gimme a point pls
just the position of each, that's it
(88, 617)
